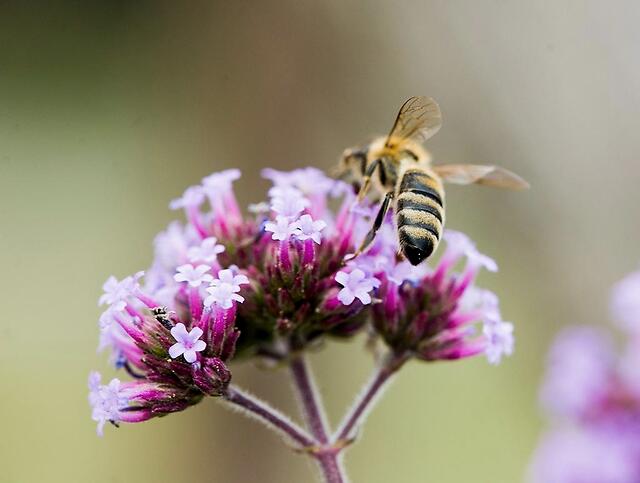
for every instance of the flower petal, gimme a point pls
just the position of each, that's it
(176, 350)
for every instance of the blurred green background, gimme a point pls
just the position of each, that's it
(110, 109)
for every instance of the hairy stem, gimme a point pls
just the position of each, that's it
(332, 468)
(272, 418)
(369, 395)
(309, 398)
(328, 458)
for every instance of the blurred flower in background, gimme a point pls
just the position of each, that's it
(591, 394)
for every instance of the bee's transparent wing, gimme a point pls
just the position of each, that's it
(419, 118)
(480, 174)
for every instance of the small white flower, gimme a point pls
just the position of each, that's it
(289, 202)
(402, 271)
(282, 229)
(224, 290)
(171, 245)
(356, 286)
(459, 244)
(117, 292)
(106, 401)
(108, 328)
(311, 181)
(207, 252)
(482, 301)
(220, 182)
(192, 197)
(499, 340)
(306, 228)
(187, 343)
(194, 276)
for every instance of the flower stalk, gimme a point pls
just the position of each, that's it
(268, 415)
(309, 398)
(367, 399)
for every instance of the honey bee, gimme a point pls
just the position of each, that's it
(407, 180)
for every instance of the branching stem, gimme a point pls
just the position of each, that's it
(365, 402)
(325, 450)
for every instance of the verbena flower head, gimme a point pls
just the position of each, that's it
(176, 354)
(591, 393)
(441, 314)
(273, 281)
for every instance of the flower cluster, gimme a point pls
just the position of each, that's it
(270, 283)
(592, 394)
(433, 315)
(173, 367)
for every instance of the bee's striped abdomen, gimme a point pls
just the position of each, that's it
(419, 214)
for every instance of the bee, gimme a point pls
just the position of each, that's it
(397, 169)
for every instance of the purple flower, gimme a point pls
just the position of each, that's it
(310, 181)
(117, 402)
(625, 302)
(193, 197)
(194, 276)
(458, 244)
(583, 455)
(499, 340)
(207, 252)
(281, 279)
(221, 182)
(146, 339)
(224, 290)
(288, 202)
(172, 244)
(307, 229)
(592, 395)
(433, 315)
(356, 286)
(580, 365)
(282, 228)
(117, 292)
(187, 343)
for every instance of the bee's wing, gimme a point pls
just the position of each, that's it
(419, 118)
(480, 174)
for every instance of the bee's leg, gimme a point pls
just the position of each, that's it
(382, 212)
(366, 180)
